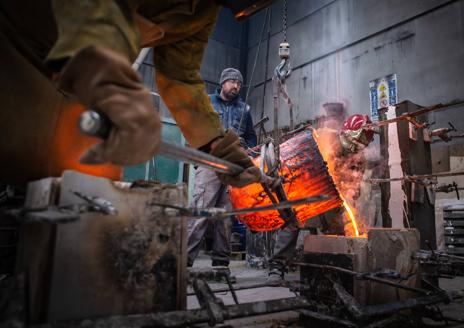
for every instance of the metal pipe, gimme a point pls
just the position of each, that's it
(362, 276)
(197, 157)
(261, 121)
(99, 125)
(320, 317)
(140, 58)
(188, 317)
(382, 309)
(416, 178)
(243, 287)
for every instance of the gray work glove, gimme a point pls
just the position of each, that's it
(104, 80)
(228, 148)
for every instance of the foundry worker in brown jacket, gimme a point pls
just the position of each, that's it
(90, 50)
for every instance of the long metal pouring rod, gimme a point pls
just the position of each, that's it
(98, 125)
(419, 112)
(197, 157)
(416, 177)
(220, 213)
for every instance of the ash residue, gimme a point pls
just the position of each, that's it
(127, 251)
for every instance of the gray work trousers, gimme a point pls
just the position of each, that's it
(284, 247)
(209, 192)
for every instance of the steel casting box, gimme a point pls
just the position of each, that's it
(101, 265)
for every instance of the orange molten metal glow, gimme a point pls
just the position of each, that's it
(70, 144)
(349, 213)
(305, 174)
(327, 141)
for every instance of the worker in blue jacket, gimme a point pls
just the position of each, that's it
(209, 191)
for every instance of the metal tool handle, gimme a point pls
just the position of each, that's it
(95, 124)
(99, 125)
(196, 157)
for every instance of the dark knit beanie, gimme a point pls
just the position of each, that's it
(231, 74)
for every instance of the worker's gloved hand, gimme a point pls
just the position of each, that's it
(229, 149)
(104, 81)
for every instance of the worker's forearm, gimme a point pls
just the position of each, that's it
(191, 108)
(181, 87)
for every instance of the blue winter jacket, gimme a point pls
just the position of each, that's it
(232, 113)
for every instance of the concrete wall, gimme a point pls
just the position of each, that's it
(338, 46)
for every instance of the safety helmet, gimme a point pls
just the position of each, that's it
(354, 136)
(243, 9)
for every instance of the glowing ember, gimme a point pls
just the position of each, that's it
(305, 174)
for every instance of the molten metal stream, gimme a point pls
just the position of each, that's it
(351, 217)
(326, 142)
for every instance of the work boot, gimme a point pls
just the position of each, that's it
(276, 277)
(222, 279)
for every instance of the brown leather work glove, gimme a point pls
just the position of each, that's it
(104, 81)
(228, 148)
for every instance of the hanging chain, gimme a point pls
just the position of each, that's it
(284, 47)
(284, 22)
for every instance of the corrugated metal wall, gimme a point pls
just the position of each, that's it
(338, 46)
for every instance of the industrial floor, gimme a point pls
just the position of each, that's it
(245, 276)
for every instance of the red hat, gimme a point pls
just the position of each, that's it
(353, 135)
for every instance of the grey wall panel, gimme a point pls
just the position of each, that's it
(422, 53)
(324, 75)
(298, 10)
(227, 30)
(277, 16)
(217, 57)
(258, 75)
(255, 101)
(304, 102)
(255, 28)
(326, 30)
(370, 16)
(426, 53)
(331, 25)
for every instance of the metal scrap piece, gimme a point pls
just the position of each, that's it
(64, 214)
(216, 273)
(99, 204)
(186, 318)
(52, 214)
(349, 301)
(327, 319)
(374, 310)
(208, 301)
